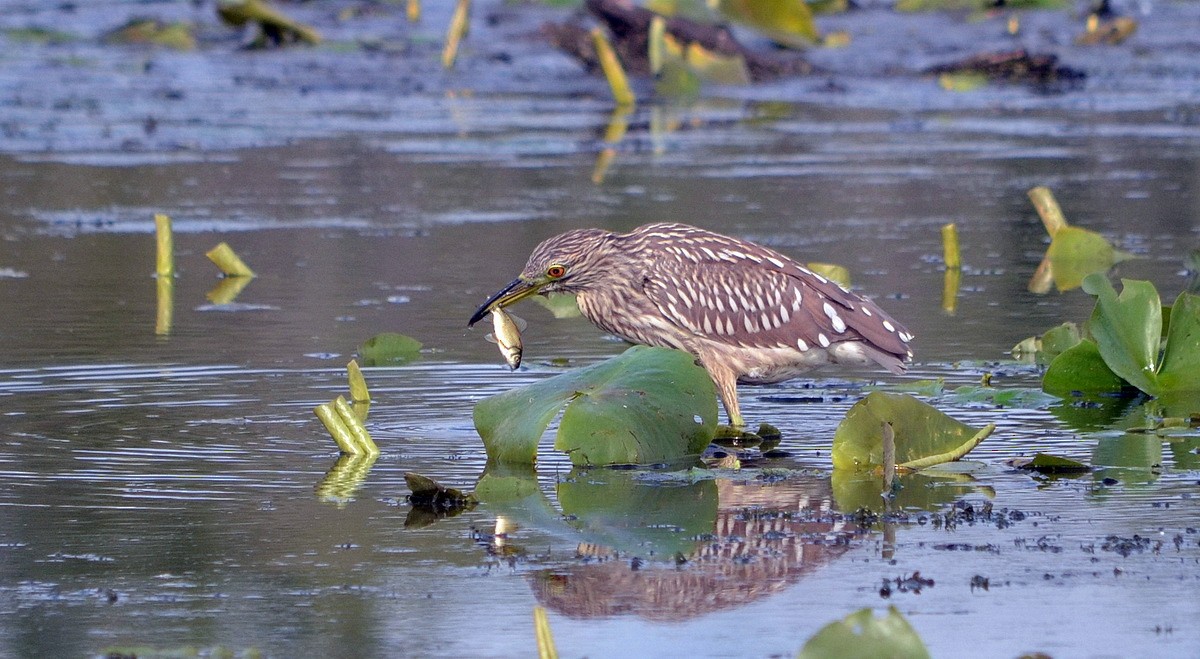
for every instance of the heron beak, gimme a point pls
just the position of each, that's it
(517, 289)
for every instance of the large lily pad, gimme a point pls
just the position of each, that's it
(646, 405)
(1082, 369)
(861, 634)
(924, 435)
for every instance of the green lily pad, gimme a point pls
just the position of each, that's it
(1127, 328)
(389, 349)
(786, 22)
(646, 405)
(861, 634)
(924, 435)
(1080, 368)
(1024, 398)
(1180, 368)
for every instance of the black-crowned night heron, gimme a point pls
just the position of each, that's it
(748, 313)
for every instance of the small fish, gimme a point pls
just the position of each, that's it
(507, 335)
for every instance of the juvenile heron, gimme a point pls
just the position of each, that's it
(748, 313)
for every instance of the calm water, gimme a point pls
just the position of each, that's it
(177, 490)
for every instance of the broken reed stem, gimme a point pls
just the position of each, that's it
(337, 429)
(228, 261)
(545, 641)
(413, 11)
(362, 438)
(165, 264)
(358, 384)
(657, 46)
(1048, 209)
(166, 305)
(613, 71)
(458, 29)
(950, 251)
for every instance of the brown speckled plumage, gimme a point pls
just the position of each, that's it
(748, 313)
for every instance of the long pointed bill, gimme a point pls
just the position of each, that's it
(517, 289)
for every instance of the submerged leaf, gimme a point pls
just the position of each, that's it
(645, 405)
(861, 634)
(389, 349)
(1046, 463)
(924, 435)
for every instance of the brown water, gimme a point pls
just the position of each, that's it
(174, 490)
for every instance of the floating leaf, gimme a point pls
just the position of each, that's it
(645, 405)
(1081, 368)
(717, 68)
(924, 435)
(1075, 253)
(389, 349)
(1052, 343)
(861, 634)
(786, 22)
(1046, 463)
(962, 82)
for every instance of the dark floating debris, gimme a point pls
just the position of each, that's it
(1040, 70)
(629, 26)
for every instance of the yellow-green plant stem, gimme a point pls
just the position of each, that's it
(1048, 209)
(165, 264)
(458, 29)
(545, 641)
(362, 438)
(228, 261)
(166, 305)
(337, 428)
(950, 251)
(613, 71)
(949, 456)
(358, 384)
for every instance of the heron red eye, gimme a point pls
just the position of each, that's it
(555, 271)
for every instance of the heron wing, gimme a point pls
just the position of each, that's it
(762, 299)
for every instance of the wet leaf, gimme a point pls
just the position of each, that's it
(389, 349)
(924, 435)
(786, 22)
(645, 405)
(1046, 463)
(428, 492)
(1127, 328)
(1180, 368)
(861, 634)
(1080, 368)
(1075, 253)
(1023, 398)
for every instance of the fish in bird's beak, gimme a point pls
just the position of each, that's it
(518, 289)
(507, 334)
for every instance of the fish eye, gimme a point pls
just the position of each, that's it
(556, 271)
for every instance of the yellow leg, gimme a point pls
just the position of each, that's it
(726, 383)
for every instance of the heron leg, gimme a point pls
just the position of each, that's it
(726, 382)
